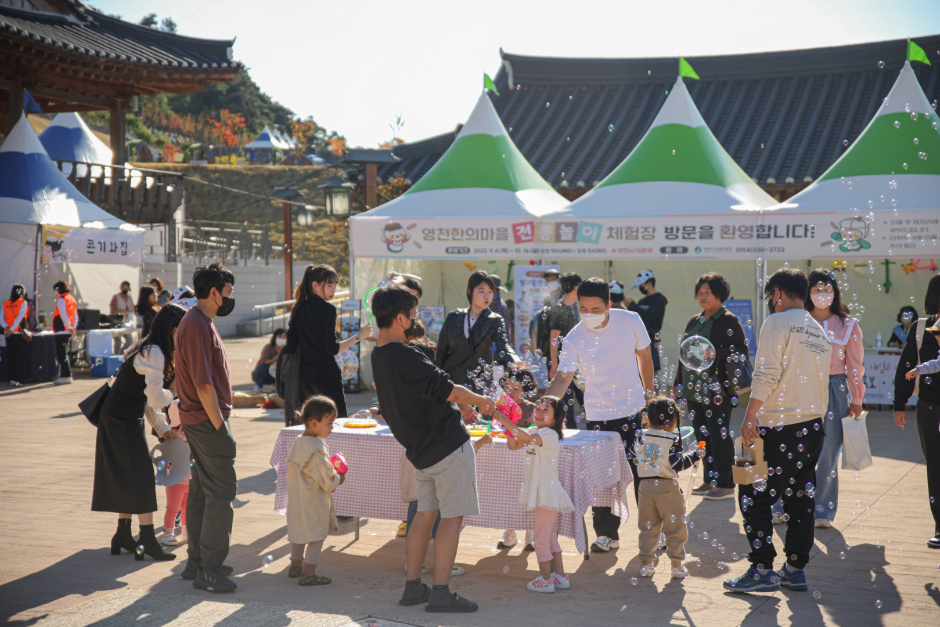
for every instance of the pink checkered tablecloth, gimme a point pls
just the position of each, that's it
(592, 467)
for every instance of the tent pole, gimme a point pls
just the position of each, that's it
(37, 265)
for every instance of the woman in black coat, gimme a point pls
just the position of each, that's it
(474, 333)
(124, 478)
(716, 394)
(312, 329)
(928, 396)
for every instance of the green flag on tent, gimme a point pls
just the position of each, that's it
(914, 53)
(489, 84)
(685, 69)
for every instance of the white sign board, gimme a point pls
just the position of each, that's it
(80, 245)
(879, 379)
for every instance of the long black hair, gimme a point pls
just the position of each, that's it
(17, 291)
(821, 275)
(275, 334)
(320, 273)
(143, 301)
(161, 336)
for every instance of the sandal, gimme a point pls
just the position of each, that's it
(457, 605)
(314, 580)
(414, 598)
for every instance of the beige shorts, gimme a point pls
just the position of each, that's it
(450, 485)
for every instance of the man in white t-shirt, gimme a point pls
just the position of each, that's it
(611, 349)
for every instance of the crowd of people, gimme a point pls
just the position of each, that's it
(176, 382)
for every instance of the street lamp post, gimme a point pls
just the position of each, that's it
(336, 196)
(286, 194)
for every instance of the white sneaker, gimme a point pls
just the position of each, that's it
(508, 540)
(15, 384)
(529, 540)
(603, 543)
(647, 570)
(457, 571)
(62, 381)
(680, 572)
(561, 583)
(822, 523)
(540, 585)
(169, 539)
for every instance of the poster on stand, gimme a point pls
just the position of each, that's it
(742, 308)
(530, 292)
(348, 360)
(879, 378)
(432, 316)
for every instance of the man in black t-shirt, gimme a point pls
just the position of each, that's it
(651, 309)
(419, 403)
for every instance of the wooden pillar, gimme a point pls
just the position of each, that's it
(14, 107)
(288, 255)
(371, 194)
(118, 155)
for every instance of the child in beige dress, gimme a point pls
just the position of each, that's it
(311, 479)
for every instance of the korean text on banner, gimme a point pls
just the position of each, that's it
(81, 245)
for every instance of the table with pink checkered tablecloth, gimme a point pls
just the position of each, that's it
(592, 467)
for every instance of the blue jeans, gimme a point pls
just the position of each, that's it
(827, 468)
(262, 375)
(412, 511)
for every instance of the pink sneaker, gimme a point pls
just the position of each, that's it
(540, 585)
(560, 582)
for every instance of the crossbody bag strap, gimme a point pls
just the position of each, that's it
(919, 340)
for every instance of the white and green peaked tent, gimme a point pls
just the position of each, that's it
(896, 158)
(481, 174)
(679, 167)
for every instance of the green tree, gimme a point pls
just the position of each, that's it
(168, 24)
(149, 20)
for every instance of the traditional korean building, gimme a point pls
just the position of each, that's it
(784, 117)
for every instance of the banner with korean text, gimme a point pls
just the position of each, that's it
(778, 235)
(80, 245)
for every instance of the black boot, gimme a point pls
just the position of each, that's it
(150, 546)
(122, 538)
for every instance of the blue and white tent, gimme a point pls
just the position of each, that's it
(266, 140)
(34, 193)
(68, 137)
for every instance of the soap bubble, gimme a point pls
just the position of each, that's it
(760, 484)
(140, 549)
(633, 581)
(505, 570)
(697, 353)
(817, 595)
(841, 555)
(881, 64)
(878, 604)
(610, 128)
(267, 560)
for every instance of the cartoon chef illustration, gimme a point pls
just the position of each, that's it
(395, 236)
(851, 233)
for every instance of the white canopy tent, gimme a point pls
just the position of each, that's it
(267, 140)
(68, 137)
(48, 230)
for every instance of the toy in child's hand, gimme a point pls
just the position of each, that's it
(700, 451)
(509, 408)
(339, 463)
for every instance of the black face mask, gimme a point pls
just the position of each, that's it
(410, 331)
(228, 304)
(125, 292)
(643, 290)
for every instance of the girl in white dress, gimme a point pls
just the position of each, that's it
(541, 489)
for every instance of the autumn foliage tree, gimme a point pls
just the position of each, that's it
(304, 132)
(229, 128)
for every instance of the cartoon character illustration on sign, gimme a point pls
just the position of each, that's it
(851, 232)
(394, 236)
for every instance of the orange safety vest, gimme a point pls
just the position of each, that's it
(71, 310)
(11, 309)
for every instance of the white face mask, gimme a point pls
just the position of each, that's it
(281, 341)
(593, 321)
(822, 299)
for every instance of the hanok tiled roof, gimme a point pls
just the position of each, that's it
(416, 158)
(91, 34)
(783, 116)
(363, 156)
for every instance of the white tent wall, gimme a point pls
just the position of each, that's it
(92, 284)
(17, 257)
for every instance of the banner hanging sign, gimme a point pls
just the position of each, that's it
(80, 245)
(779, 235)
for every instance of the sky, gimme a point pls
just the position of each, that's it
(356, 66)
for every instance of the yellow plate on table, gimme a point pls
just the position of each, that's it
(477, 433)
(360, 424)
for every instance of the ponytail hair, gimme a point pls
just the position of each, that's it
(319, 273)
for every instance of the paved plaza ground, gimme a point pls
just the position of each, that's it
(56, 569)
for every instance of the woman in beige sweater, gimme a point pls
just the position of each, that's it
(311, 479)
